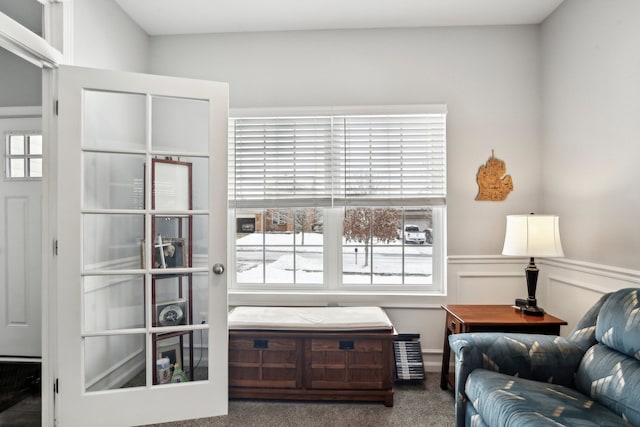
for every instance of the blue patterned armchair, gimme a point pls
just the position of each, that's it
(589, 378)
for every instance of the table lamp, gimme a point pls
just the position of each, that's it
(532, 236)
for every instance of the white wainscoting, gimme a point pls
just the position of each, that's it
(566, 289)
(485, 279)
(571, 287)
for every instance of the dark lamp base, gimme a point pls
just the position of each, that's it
(533, 311)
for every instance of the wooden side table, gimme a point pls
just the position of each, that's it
(462, 318)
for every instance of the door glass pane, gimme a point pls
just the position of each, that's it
(172, 302)
(180, 299)
(113, 362)
(113, 302)
(113, 181)
(200, 305)
(112, 241)
(114, 121)
(171, 179)
(200, 246)
(35, 168)
(35, 144)
(16, 145)
(200, 190)
(171, 244)
(17, 168)
(180, 124)
(178, 359)
(180, 184)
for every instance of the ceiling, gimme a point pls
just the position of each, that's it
(164, 17)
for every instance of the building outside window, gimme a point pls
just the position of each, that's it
(278, 218)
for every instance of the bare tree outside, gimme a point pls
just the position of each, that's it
(363, 224)
(307, 219)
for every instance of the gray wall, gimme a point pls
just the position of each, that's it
(105, 37)
(487, 76)
(20, 82)
(591, 128)
(27, 13)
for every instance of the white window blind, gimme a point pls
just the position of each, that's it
(339, 160)
(391, 160)
(281, 161)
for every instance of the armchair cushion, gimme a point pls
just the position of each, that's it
(584, 333)
(503, 400)
(612, 379)
(545, 358)
(618, 324)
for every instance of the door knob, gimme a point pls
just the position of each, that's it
(218, 269)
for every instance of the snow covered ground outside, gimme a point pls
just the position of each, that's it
(278, 256)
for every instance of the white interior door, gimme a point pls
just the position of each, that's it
(141, 224)
(20, 238)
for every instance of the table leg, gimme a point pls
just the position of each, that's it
(446, 354)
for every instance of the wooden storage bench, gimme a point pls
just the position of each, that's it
(324, 353)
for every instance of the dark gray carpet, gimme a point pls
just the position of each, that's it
(420, 404)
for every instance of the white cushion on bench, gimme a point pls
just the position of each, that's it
(310, 318)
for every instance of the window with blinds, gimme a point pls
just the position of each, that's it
(339, 201)
(343, 160)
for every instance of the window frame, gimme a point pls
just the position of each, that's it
(332, 228)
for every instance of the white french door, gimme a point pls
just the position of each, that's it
(142, 317)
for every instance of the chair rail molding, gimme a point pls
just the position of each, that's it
(497, 279)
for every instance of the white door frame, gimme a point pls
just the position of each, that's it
(46, 52)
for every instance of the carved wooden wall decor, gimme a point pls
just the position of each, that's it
(493, 183)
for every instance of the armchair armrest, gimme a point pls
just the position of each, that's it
(545, 358)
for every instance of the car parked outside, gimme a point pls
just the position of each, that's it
(412, 234)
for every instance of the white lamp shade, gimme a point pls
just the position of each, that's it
(532, 236)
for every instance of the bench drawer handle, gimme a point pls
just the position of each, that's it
(346, 345)
(260, 343)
